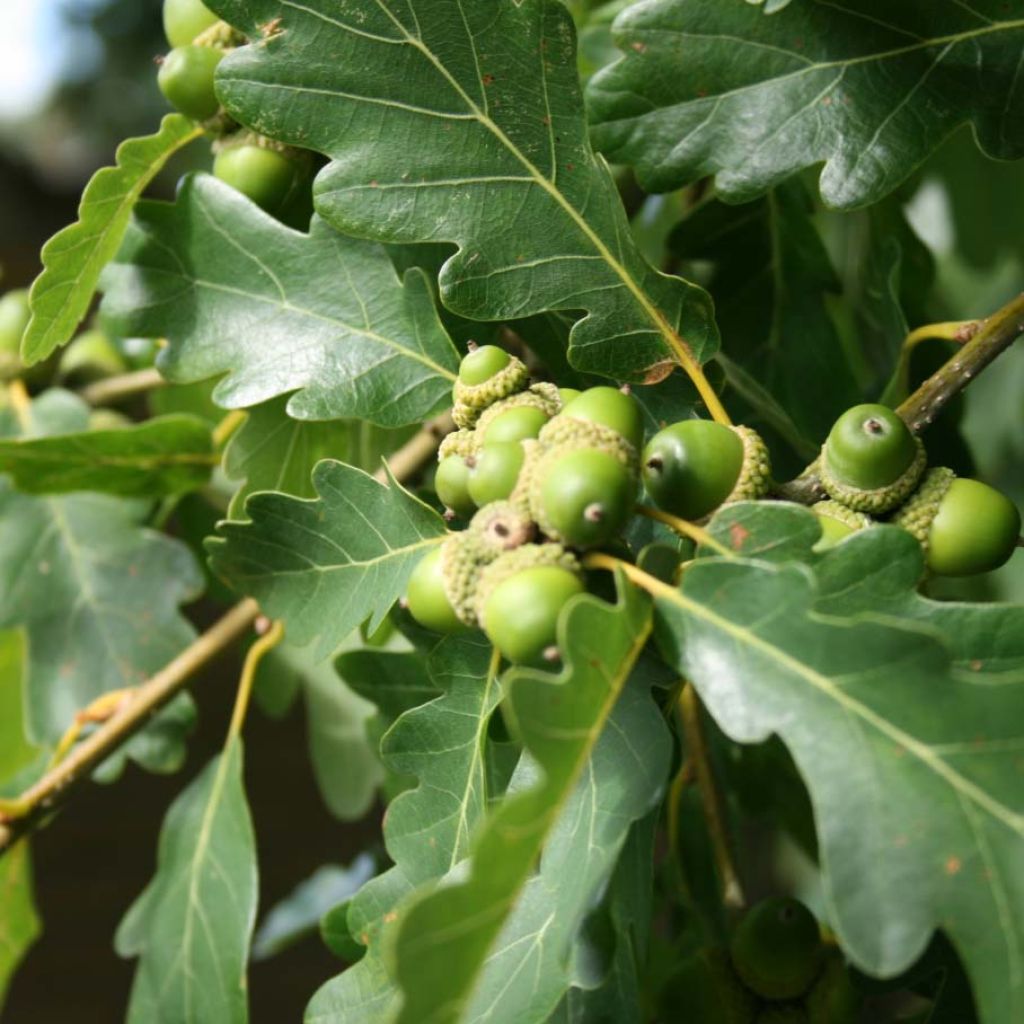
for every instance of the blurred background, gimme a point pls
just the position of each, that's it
(76, 77)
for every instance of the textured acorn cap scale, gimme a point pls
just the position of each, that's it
(527, 556)
(755, 479)
(472, 399)
(882, 499)
(917, 515)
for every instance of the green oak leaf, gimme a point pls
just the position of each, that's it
(501, 166)
(326, 566)
(191, 925)
(75, 256)
(299, 913)
(19, 922)
(707, 87)
(771, 280)
(166, 455)
(886, 733)
(236, 292)
(447, 938)
(428, 829)
(274, 452)
(97, 593)
(16, 749)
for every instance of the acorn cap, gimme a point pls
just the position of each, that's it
(526, 556)
(472, 399)
(458, 442)
(463, 557)
(847, 516)
(882, 499)
(535, 397)
(501, 526)
(917, 514)
(566, 433)
(755, 479)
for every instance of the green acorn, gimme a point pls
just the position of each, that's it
(706, 990)
(692, 467)
(837, 522)
(568, 434)
(451, 483)
(833, 998)
(427, 596)
(494, 471)
(777, 949)
(502, 526)
(611, 408)
(463, 557)
(871, 462)
(964, 526)
(486, 375)
(518, 417)
(458, 442)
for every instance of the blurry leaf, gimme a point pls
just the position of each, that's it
(273, 452)
(394, 681)
(501, 165)
(707, 87)
(771, 276)
(167, 455)
(191, 925)
(912, 765)
(325, 566)
(74, 257)
(16, 751)
(449, 940)
(19, 923)
(235, 292)
(345, 764)
(97, 595)
(299, 913)
(428, 829)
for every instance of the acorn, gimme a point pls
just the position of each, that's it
(502, 526)
(695, 466)
(567, 434)
(705, 988)
(451, 484)
(837, 522)
(612, 408)
(518, 417)
(871, 462)
(427, 596)
(486, 375)
(458, 442)
(495, 471)
(964, 526)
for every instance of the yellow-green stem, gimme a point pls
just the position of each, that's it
(271, 638)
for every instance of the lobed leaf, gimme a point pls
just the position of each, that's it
(96, 592)
(462, 121)
(75, 256)
(19, 922)
(190, 927)
(236, 292)
(428, 829)
(448, 940)
(707, 87)
(326, 566)
(166, 455)
(912, 764)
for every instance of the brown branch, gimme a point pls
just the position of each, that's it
(41, 798)
(410, 458)
(124, 385)
(997, 333)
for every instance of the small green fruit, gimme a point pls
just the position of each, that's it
(482, 364)
(964, 526)
(521, 613)
(516, 424)
(691, 467)
(568, 394)
(837, 522)
(108, 419)
(451, 482)
(495, 472)
(706, 990)
(185, 19)
(91, 356)
(833, 999)
(264, 174)
(871, 462)
(777, 950)
(186, 80)
(428, 600)
(582, 497)
(610, 408)
(502, 526)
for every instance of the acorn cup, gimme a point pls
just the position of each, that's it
(486, 375)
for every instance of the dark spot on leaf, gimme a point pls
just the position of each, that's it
(659, 371)
(638, 46)
(738, 536)
(488, 79)
(953, 865)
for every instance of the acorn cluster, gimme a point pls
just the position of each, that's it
(543, 474)
(274, 176)
(776, 970)
(875, 470)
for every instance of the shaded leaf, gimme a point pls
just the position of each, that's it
(447, 937)
(19, 922)
(166, 455)
(299, 913)
(190, 927)
(75, 256)
(501, 165)
(236, 292)
(326, 566)
(770, 282)
(274, 452)
(715, 88)
(911, 764)
(16, 750)
(427, 829)
(97, 594)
